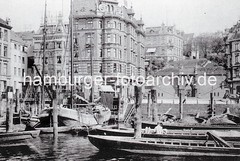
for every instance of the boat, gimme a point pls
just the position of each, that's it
(182, 126)
(18, 136)
(168, 147)
(170, 134)
(76, 117)
(73, 113)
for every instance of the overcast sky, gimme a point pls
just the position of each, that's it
(191, 16)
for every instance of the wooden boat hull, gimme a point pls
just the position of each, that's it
(155, 147)
(171, 134)
(49, 130)
(18, 136)
(181, 126)
(72, 117)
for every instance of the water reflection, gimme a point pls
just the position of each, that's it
(69, 147)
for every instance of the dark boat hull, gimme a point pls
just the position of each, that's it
(153, 146)
(181, 126)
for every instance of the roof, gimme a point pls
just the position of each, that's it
(16, 38)
(106, 89)
(28, 35)
(5, 24)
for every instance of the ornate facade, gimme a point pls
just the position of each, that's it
(112, 35)
(165, 42)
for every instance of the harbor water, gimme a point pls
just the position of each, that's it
(72, 147)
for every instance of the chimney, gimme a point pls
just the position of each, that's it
(8, 21)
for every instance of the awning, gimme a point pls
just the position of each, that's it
(151, 50)
(106, 89)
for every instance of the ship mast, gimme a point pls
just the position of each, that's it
(43, 60)
(71, 52)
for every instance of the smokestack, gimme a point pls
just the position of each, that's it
(8, 21)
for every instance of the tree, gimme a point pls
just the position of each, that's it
(212, 47)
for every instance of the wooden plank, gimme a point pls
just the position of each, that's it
(219, 139)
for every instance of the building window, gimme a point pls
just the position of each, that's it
(88, 38)
(108, 38)
(23, 72)
(0, 33)
(4, 72)
(59, 45)
(90, 24)
(19, 72)
(115, 53)
(114, 38)
(59, 59)
(15, 71)
(120, 68)
(108, 52)
(0, 50)
(88, 68)
(120, 26)
(109, 24)
(88, 53)
(5, 48)
(237, 58)
(120, 54)
(15, 46)
(23, 60)
(120, 40)
(115, 24)
(100, 68)
(114, 68)
(19, 59)
(100, 24)
(101, 53)
(236, 46)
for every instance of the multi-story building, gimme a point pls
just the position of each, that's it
(112, 35)
(18, 61)
(165, 42)
(233, 52)
(5, 75)
(56, 54)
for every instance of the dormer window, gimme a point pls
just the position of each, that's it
(151, 31)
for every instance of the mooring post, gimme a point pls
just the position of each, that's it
(55, 114)
(154, 105)
(9, 112)
(17, 101)
(149, 107)
(138, 115)
(180, 105)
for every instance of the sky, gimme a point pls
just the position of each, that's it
(191, 16)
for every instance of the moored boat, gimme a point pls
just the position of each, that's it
(18, 136)
(170, 134)
(156, 146)
(182, 126)
(76, 117)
